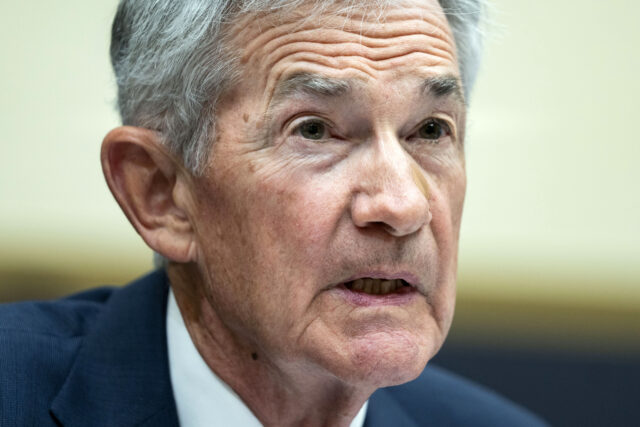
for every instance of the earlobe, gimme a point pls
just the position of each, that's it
(146, 181)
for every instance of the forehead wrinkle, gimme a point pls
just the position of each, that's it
(394, 48)
(404, 22)
(330, 47)
(332, 41)
(363, 67)
(365, 44)
(368, 60)
(356, 43)
(361, 22)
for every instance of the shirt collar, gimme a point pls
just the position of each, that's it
(199, 393)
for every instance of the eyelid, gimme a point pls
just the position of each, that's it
(446, 122)
(295, 122)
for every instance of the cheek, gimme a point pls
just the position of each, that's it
(446, 205)
(446, 202)
(305, 209)
(457, 191)
(268, 235)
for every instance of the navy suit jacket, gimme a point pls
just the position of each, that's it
(99, 358)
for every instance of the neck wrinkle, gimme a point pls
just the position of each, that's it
(297, 395)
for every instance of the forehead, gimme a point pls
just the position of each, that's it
(373, 44)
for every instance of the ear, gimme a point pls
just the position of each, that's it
(152, 188)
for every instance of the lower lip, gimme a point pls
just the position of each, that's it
(402, 296)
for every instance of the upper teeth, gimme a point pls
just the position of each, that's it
(376, 286)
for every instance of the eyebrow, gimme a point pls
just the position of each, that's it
(443, 86)
(310, 84)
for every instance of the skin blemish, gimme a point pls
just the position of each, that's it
(245, 117)
(254, 356)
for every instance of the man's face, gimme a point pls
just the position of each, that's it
(313, 183)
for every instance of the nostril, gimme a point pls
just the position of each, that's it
(398, 220)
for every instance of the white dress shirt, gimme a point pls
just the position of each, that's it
(203, 399)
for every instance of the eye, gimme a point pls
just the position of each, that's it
(433, 130)
(313, 129)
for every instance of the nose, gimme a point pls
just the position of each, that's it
(392, 192)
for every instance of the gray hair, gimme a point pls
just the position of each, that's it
(172, 64)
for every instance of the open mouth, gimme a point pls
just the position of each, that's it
(379, 286)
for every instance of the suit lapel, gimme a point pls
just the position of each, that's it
(121, 374)
(384, 411)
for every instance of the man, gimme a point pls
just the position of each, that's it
(299, 166)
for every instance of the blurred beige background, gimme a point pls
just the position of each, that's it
(550, 248)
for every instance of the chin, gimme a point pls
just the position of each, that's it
(388, 359)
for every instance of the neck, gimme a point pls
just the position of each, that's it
(278, 392)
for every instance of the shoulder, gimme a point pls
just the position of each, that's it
(63, 318)
(75, 316)
(439, 397)
(38, 343)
